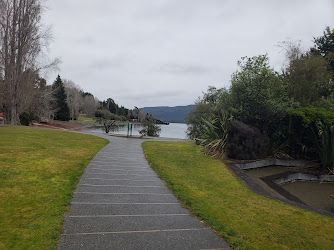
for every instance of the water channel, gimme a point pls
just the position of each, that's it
(313, 193)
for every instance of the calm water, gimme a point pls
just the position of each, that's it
(173, 130)
(315, 194)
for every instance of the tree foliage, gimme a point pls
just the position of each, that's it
(105, 117)
(274, 112)
(310, 115)
(203, 110)
(150, 128)
(21, 42)
(257, 93)
(114, 108)
(324, 46)
(308, 79)
(60, 101)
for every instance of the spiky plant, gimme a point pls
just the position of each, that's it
(214, 135)
(324, 140)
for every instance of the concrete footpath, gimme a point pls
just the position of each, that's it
(120, 203)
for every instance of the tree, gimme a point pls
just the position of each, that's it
(111, 105)
(60, 101)
(257, 97)
(105, 117)
(205, 108)
(21, 40)
(141, 115)
(307, 75)
(114, 107)
(309, 79)
(90, 104)
(258, 94)
(324, 46)
(40, 106)
(74, 98)
(150, 128)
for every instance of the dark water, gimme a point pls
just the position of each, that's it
(173, 130)
(314, 194)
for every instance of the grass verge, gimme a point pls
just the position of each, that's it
(211, 191)
(39, 169)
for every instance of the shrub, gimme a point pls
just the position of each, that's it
(324, 141)
(26, 119)
(214, 135)
(150, 127)
(311, 114)
(303, 123)
(245, 142)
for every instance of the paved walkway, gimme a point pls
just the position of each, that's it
(120, 203)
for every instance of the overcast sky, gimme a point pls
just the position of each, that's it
(167, 52)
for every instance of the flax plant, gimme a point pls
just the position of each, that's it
(214, 135)
(324, 139)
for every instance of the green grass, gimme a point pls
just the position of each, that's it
(84, 119)
(39, 169)
(246, 220)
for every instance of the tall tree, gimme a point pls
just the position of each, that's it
(60, 101)
(20, 44)
(74, 98)
(257, 93)
(324, 46)
(40, 106)
(308, 79)
(90, 104)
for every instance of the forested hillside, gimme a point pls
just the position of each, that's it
(169, 114)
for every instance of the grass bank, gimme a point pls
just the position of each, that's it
(39, 169)
(246, 220)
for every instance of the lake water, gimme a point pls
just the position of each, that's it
(173, 130)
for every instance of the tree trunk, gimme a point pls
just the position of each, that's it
(19, 48)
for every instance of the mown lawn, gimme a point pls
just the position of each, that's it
(83, 119)
(39, 169)
(246, 220)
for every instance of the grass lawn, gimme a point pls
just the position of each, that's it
(39, 169)
(84, 119)
(246, 220)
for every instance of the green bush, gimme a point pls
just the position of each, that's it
(311, 114)
(25, 119)
(302, 124)
(150, 127)
(246, 142)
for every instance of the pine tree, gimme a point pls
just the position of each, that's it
(59, 103)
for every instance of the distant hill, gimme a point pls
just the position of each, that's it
(169, 114)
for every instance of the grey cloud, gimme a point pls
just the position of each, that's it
(103, 63)
(176, 68)
(166, 52)
(86, 40)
